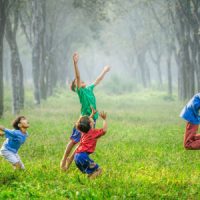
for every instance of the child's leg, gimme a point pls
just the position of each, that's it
(66, 154)
(13, 158)
(74, 139)
(191, 138)
(19, 164)
(86, 164)
(95, 174)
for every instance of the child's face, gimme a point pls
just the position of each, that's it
(24, 123)
(83, 84)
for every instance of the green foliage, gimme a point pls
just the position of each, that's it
(141, 155)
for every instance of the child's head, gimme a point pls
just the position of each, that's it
(20, 122)
(74, 84)
(84, 124)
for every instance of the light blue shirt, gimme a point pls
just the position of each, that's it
(15, 138)
(191, 111)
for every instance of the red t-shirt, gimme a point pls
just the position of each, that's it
(89, 140)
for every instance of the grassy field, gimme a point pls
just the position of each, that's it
(141, 155)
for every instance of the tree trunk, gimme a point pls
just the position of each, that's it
(140, 59)
(43, 75)
(186, 33)
(3, 8)
(36, 51)
(16, 66)
(159, 74)
(169, 72)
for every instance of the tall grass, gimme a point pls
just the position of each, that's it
(141, 155)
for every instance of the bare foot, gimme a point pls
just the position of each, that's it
(68, 162)
(95, 174)
(64, 165)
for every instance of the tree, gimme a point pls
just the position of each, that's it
(16, 66)
(3, 9)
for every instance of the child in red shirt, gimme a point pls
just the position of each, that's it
(87, 145)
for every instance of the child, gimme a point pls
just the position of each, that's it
(88, 144)
(15, 138)
(191, 114)
(87, 100)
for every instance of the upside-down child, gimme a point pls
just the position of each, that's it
(191, 114)
(89, 136)
(14, 139)
(87, 100)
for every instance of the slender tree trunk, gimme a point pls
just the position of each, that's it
(142, 69)
(159, 74)
(36, 51)
(43, 75)
(147, 73)
(169, 72)
(3, 8)
(16, 66)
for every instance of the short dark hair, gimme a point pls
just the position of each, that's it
(17, 121)
(84, 124)
(73, 85)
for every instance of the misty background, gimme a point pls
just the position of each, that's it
(149, 44)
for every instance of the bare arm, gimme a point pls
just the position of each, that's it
(101, 76)
(1, 130)
(93, 112)
(76, 70)
(105, 125)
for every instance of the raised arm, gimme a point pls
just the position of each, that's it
(103, 115)
(77, 73)
(93, 112)
(101, 76)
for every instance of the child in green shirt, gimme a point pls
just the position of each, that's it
(87, 101)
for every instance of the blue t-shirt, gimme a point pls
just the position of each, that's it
(15, 138)
(191, 111)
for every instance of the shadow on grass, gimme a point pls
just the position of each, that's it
(8, 179)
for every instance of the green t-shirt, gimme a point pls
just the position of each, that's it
(87, 99)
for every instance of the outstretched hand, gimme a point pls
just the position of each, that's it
(103, 115)
(75, 57)
(107, 68)
(93, 112)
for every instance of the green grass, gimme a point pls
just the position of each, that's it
(141, 155)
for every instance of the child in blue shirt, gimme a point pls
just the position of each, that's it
(14, 139)
(191, 114)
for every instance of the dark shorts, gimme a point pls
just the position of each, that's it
(76, 134)
(84, 163)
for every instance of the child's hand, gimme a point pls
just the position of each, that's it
(103, 115)
(93, 112)
(1, 133)
(75, 57)
(106, 68)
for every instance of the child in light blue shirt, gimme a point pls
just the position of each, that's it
(14, 139)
